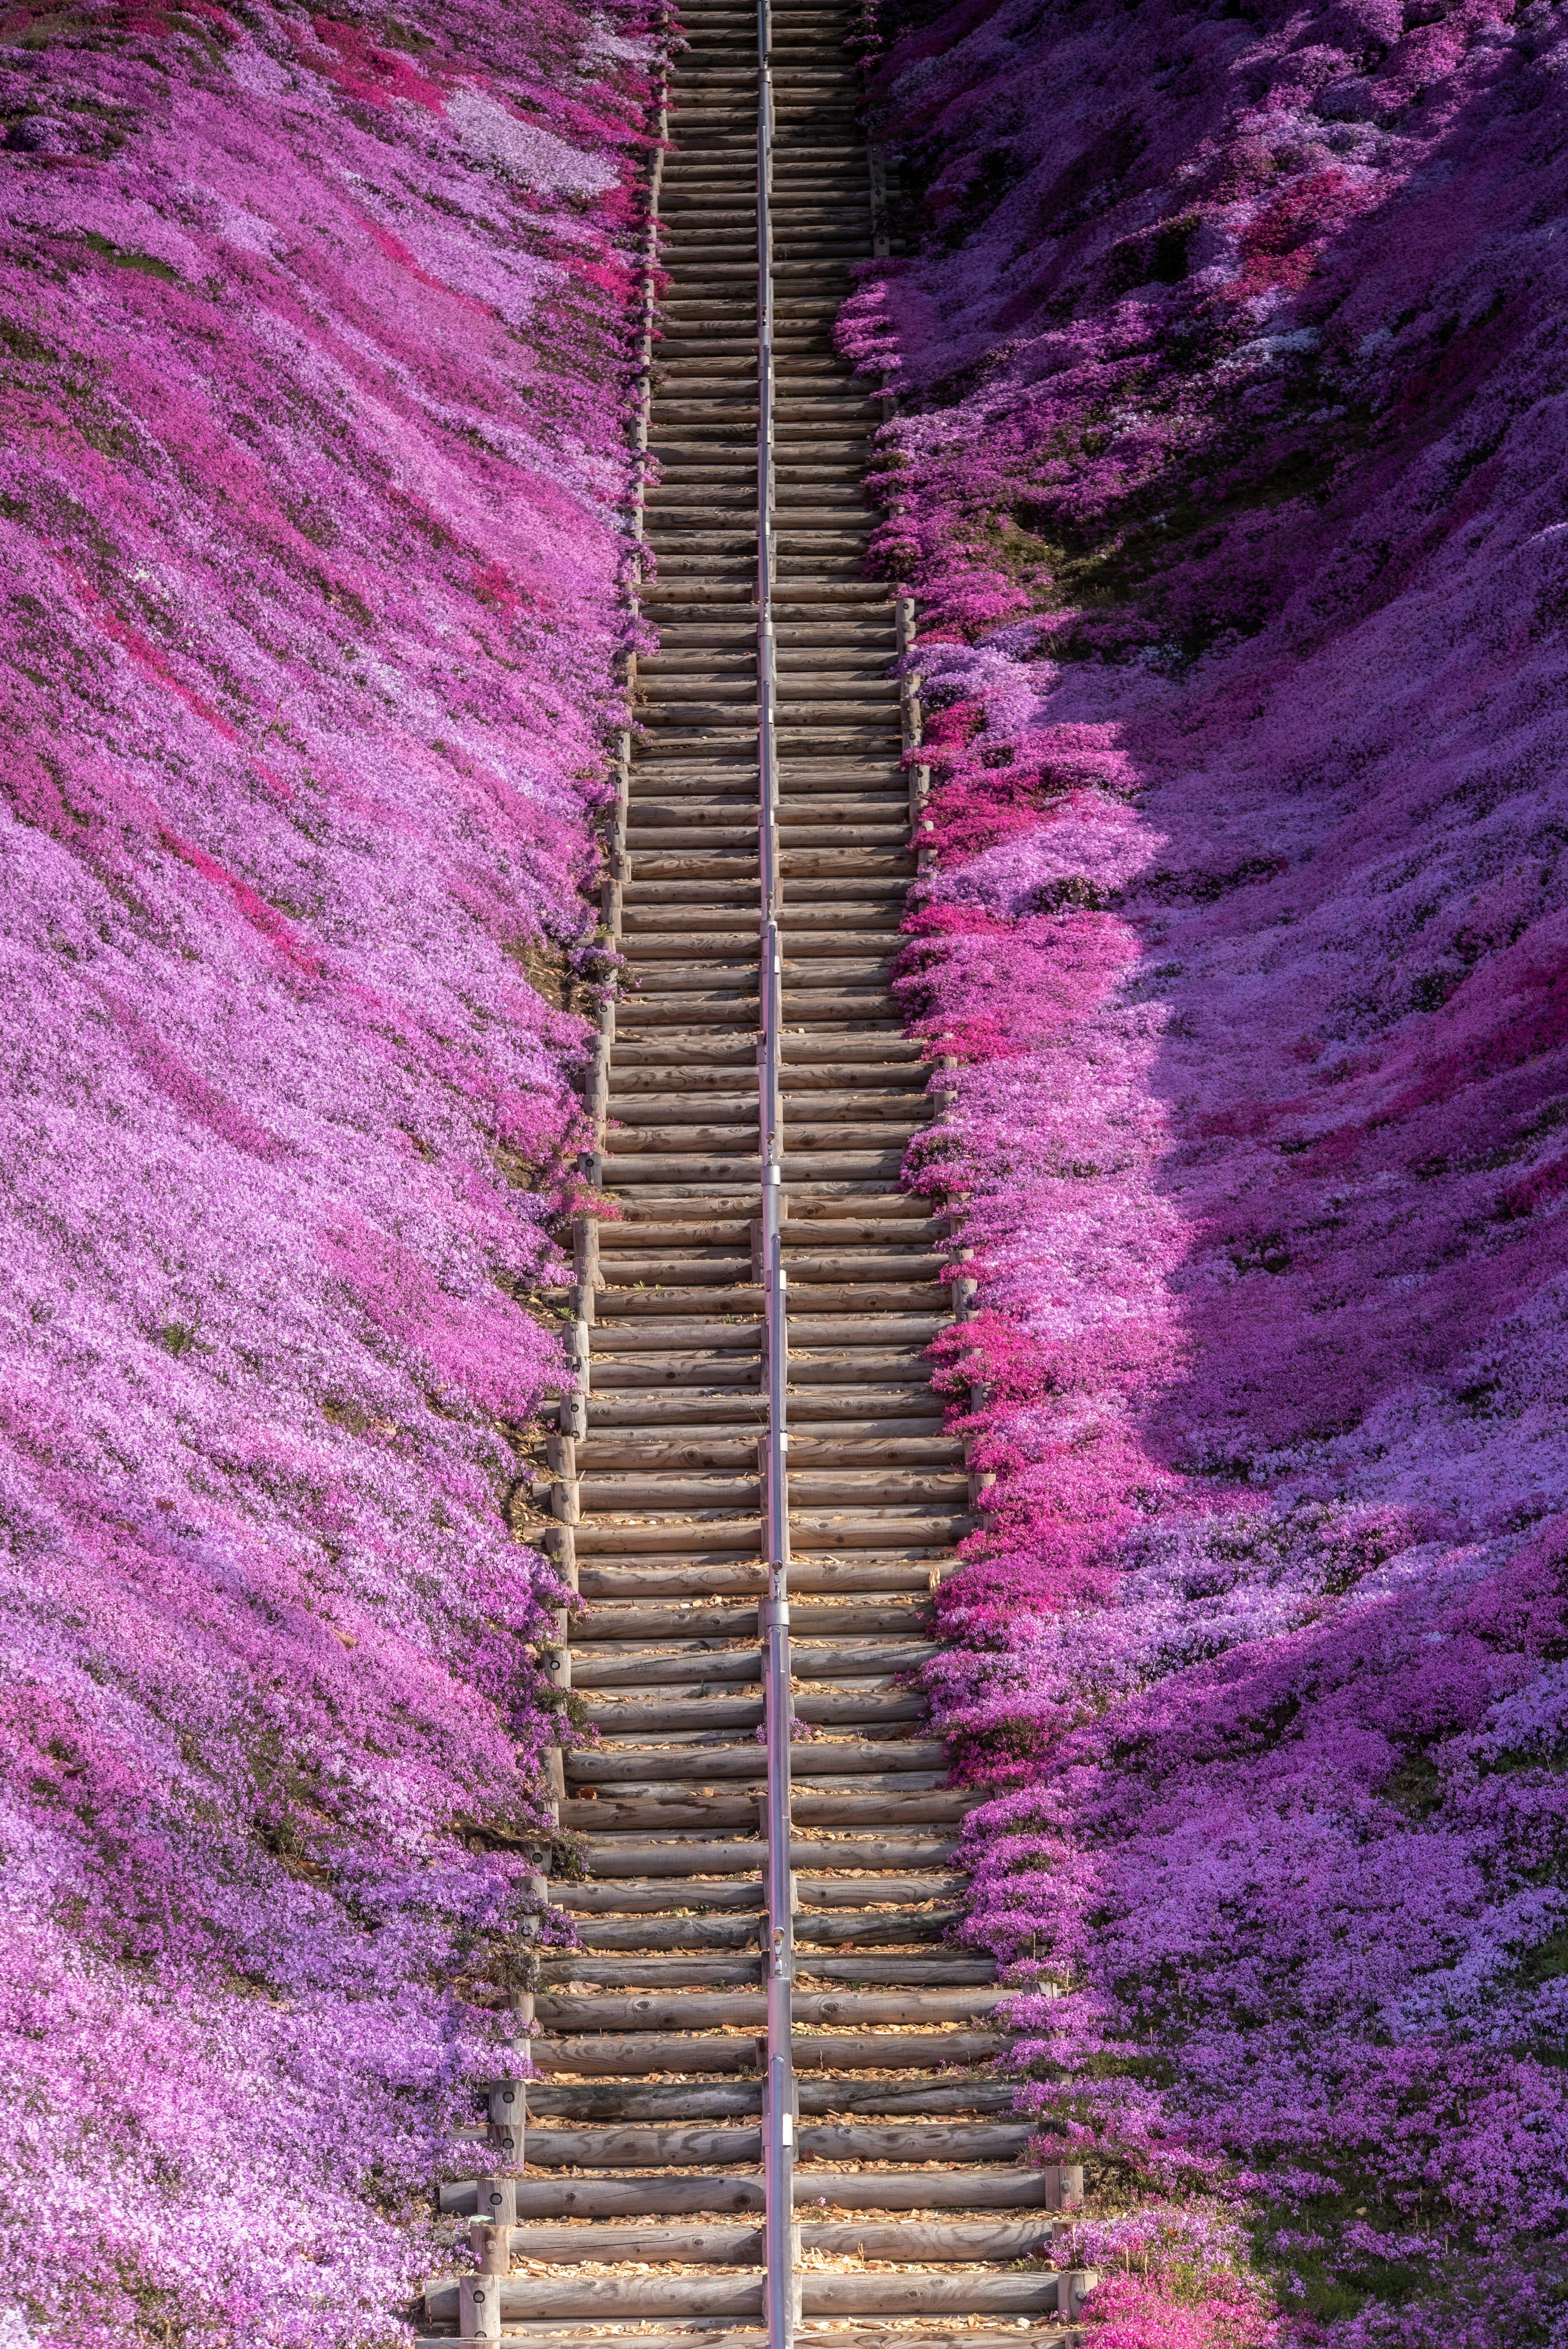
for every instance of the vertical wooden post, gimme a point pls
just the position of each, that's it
(508, 2101)
(560, 1453)
(497, 2202)
(492, 2246)
(912, 719)
(561, 1549)
(1074, 2286)
(597, 1099)
(478, 2308)
(1064, 2185)
(586, 1275)
(577, 1354)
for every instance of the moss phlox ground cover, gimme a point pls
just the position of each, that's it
(1230, 474)
(315, 363)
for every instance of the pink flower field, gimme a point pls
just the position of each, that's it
(1231, 469)
(316, 337)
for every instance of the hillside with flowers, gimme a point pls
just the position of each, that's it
(315, 363)
(1230, 470)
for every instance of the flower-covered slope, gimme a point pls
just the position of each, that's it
(1230, 474)
(314, 344)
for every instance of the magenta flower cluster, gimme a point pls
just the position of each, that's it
(1229, 472)
(316, 341)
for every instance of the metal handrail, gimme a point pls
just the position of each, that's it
(778, 2094)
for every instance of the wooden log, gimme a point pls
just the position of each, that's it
(943, 2240)
(625, 2197)
(737, 1622)
(490, 2245)
(883, 1329)
(883, 1769)
(879, 1657)
(671, 1300)
(673, 2147)
(704, 1664)
(891, 2294)
(652, 2194)
(559, 1543)
(615, 1495)
(1063, 2184)
(867, 1932)
(678, 2145)
(630, 2055)
(587, 1276)
(643, 1717)
(724, 1535)
(942, 1970)
(814, 1619)
(732, 2245)
(506, 2101)
(495, 2199)
(744, 1576)
(927, 1526)
(609, 1861)
(666, 2011)
(1073, 2288)
(475, 2302)
(705, 1335)
(615, 1971)
(641, 1898)
(850, 2050)
(666, 1933)
(613, 1814)
(855, 1892)
(741, 1372)
(850, 1488)
(1013, 2188)
(650, 2100)
(700, 1663)
(531, 2298)
(919, 2141)
(936, 1808)
(969, 2094)
(640, 1719)
(721, 2336)
(844, 1757)
(635, 2054)
(539, 2299)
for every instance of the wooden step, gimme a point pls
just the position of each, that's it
(704, 2011)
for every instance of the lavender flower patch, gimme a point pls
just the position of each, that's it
(1230, 472)
(315, 340)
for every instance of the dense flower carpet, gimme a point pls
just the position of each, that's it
(1230, 472)
(315, 353)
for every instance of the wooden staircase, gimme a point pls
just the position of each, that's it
(637, 2210)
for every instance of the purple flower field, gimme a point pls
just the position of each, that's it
(1231, 473)
(315, 338)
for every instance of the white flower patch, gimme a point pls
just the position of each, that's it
(488, 130)
(1268, 350)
